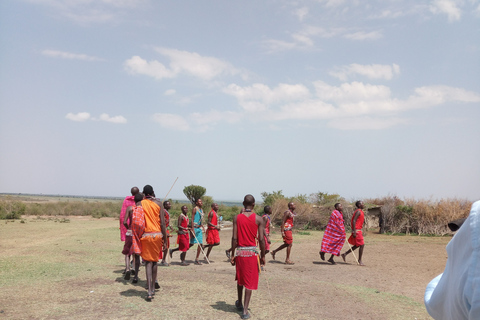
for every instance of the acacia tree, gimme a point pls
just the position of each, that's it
(193, 193)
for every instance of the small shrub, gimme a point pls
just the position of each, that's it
(12, 209)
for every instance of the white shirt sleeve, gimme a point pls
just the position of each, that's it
(455, 294)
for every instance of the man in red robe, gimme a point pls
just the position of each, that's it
(213, 236)
(247, 228)
(128, 201)
(287, 233)
(334, 236)
(356, 239)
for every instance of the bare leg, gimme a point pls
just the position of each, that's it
(164, 262)
(289, 249)
(331, 260)
(182, 258)
(149, 274)
(248, 294)
(198, 252)
(238, 303)
(137, 267)
(283, 246)
(349, 250)
(360, 254)
(322, 255)
(127, 268)
(127, 263)
(154, 273)
(209, 250)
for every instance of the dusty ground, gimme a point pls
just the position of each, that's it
(55, 270)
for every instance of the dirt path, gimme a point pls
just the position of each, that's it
(52, 270)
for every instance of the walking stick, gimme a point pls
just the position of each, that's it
(193, 232)
(353, 252)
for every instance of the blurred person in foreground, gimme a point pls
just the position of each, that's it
(455, 294)
(334, 236)
(247, 228)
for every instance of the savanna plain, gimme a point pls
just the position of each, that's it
(71, 267)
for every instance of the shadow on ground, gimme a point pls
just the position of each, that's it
(223, 306)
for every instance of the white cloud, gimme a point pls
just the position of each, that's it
(170, 92)
(301, 13)
(84, 116)
(181, 62)
(88, 11)
(273, 45)
(171, 121)
(372, 71)
(337, 102)
(115, 119)
(363, 35)
(256, 97)
(332, 3)
(305, 38)
(365, 123)
(429, 96)
(348, 92)
(448, 7)
(69, 55)
(80, 117)
(155, 69)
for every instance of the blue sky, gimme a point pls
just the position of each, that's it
(241, 97)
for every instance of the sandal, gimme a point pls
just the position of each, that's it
(289, 262)
(157, 286)
(127, 276)
(135, 280)
(227, 252)
(246, 316)
(198, 263)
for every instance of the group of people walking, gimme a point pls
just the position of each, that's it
(145, 228)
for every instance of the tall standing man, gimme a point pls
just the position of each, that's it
(287, 228)
(246, 226)
(356, 239)
(197, 228)
(213, 236)
(183, 237)
(166, 206)
(152, 239)
(334, 236)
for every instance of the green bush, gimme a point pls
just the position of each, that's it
(12, 209)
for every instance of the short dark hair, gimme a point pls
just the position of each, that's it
(148, 190)
(266, 209)
(249, 199)
(357, 204)
(336, 205)
(165, 202)
(138, 197)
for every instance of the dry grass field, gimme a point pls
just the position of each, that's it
(71, 267)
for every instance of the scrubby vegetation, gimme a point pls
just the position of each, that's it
(395, 215)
